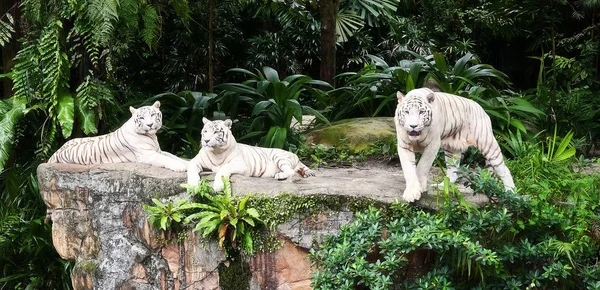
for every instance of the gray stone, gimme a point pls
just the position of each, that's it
(98, 221)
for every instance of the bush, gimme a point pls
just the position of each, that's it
(545, 236)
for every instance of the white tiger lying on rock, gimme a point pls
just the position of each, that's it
(222, 154)
(135, 141)
(427, 121)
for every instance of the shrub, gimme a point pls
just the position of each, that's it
(545, 236)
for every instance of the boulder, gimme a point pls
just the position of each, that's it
(98, 222)
(358, 134)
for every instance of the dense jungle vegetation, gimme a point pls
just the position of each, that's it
(72, 68)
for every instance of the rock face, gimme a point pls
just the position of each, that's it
(98, 221)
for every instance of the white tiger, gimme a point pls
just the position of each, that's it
(427, 121)
(135, 141)
(222, 154)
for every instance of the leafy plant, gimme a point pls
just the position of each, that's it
(182, 119)
(275, 103)
(164, 216)
(224, 215)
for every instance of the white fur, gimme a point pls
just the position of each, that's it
(221, 153)
(135, 141)
(427, 121)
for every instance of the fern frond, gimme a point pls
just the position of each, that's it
(26, 73)
(32, 10)
(151, 26)
(55, 66)
(6, 29)
(104, 14)
(90, 94)
(11, 112)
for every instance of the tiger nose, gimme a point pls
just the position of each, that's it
(413, 126)
(149, 124)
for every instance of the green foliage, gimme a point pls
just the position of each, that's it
(275, 103)
(371, 91)
(6, 28)
(164, 216)
(222, 214)
(219, 213)
(182, 119)
(545, 236)
(319, 155)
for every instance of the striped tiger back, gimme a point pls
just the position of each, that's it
(135, 141)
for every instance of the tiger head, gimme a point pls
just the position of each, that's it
(147, 119)
(216, 134)
(414, 111)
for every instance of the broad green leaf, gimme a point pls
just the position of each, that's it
(252, 212)
(242, 204)
(517, 124)
(249, 220)
(87, 117)
(163, 223)
(440, 62)
(66, 110)
(271, 74)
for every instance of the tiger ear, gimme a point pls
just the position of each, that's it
(132, 110)
(400, 96)
(156, 104)
(228, 123)
(431, 97)
(205, 120)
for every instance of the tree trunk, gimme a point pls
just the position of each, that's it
(211, 17)
(329, 10)
(9, 50)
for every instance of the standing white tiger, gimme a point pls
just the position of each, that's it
(135, 141)
(427, 121)
(222, 154)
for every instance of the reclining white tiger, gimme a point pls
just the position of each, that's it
(427, 121)
(222, 154)
(135, 141)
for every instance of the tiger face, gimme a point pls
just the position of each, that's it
(147, 119)
(215, 134)
(414, 112)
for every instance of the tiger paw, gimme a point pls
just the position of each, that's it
(218, 185)
(307, 172)
(177, 166)
(412, 193)
(282, 175)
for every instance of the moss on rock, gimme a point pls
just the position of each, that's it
(357, 134)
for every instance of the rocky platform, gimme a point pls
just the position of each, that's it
(98, 221)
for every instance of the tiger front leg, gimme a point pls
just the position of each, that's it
(193, 170)
(226, 171)
(160, 160)
(286, 168)
(413, 186)
(429, 154)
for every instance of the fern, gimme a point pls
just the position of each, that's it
(6, 29)
(151, 26)
(11, 112)
(104, 13)
(27, 74)
(90, 94)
